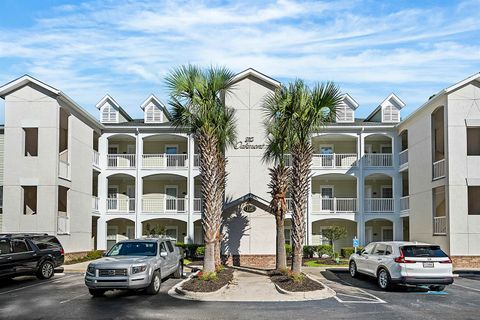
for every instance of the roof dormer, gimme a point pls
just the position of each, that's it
(154, 110)
(111, 112)
(345, 110)
(391, 107)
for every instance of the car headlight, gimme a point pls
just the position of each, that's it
(138, 269)
(91, 270)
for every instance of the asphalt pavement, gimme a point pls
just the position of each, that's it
(66, 297)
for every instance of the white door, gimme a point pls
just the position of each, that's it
(131, 198)
(387, 234)
(326, 193)
(112, 150)
(326, 151)
(112, 203)
(172, 159)
(368, 235)
(171, 198)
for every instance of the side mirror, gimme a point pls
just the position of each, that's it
(104, 253)
(163, 254)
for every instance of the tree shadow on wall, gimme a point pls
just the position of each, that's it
(236, 225)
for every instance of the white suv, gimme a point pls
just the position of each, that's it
(409, 263)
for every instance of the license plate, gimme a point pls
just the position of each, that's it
(428, 264)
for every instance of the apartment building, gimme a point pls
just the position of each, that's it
(95, 182)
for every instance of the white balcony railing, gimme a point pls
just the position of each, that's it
(96, 158)
(121, 205)
(335, 160)
(63, 223)
(95, 201)
(289, 205)
(159, 161)
(439, 169)
(333, 205)
(403, 157)
(163, 204)
(63, 169)
(378, 204)
(122, 161)
(405, 203)
(440, 225)
(197, 205)
(196, 160)
(378, 160)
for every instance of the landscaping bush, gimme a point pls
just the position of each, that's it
(190, 249)
(91, 255)
(308, 251)
(347, 251)
(324, 249)
(200, 251)
(288, 250)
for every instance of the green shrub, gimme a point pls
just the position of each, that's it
(200, 251)
(288, 250)
(207, 276)
(324, 249)
(308, 251)
(190, 249)
(347, 251)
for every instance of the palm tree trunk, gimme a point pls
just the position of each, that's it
(207, 145)
(219, 198)
(301, 161)
(281, 261)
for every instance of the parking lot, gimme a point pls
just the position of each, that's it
(66, 297)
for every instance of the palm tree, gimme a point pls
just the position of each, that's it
(197, 99)
(308, 112)
(276, 149)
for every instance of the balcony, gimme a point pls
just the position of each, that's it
(405, 204)
(379, 205)
(377, 160)
(439, 169)
(197, 205)
(334, 160)
(440, 225)
(121, 205)
(96, 158)
(163, 205)
(95, 201)
(121, 161)
(162, 161)
(334, 205)
(403, 159)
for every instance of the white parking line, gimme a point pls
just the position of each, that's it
(470, 288)
(36, 284)
(71, 299)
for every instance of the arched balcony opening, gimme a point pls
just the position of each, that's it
(121, 152)
(378, 193)
(319, 226)
(164, 194)
(378, 151)
(118, 230)
(121, 194)
(378, 230)
(438, 143)
(334, 193)
(173, 228)
(334, 151)
(162, 151)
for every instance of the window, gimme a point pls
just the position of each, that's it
(109, 114)
(390, 114)
(4, 246)
(389, 250)
(380, 249)
(423, 251)
(19, 246)
(171, 150)
(387, 192)
(369, 248)
(344, 113)
(473, 200)
(473, 141)
(29, 200)
(153, 114)
(162, 247)
(170, 247)
(30, 140)
(46, 243)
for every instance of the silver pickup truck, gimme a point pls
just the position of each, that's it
(135, 264)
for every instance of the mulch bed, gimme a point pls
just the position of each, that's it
(287, 283)
(197, 285)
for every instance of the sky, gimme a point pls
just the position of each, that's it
(126, 48)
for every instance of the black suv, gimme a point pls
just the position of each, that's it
(25, 254)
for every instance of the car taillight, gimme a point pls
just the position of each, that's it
(401, 258)
(446, 261)
(62, 252)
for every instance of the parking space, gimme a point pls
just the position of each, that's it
(66, 297)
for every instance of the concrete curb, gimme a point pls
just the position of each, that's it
(466, 272)
(185, 294)
(321, 294)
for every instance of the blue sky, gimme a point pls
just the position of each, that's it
(125, 48)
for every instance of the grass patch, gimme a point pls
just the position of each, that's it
(92, 255)
(326, 263)
(186, 262)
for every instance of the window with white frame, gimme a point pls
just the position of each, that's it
(153, 114)
(390, 114)
(344, 113)
(108, 114)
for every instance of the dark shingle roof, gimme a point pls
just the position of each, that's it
(138, 123)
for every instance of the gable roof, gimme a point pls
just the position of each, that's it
(350, 101)
(158, 103)
(108, 98)
(245, 198)
(254, 73)
(393, 99)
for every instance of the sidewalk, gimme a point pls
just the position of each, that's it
(77, 267)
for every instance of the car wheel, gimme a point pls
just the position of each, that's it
(45, 270)
(179, 272)
(353, 269)
(154, 286)
(383, 279)
(96, 292)
(437, 288)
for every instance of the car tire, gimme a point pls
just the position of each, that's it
(154, 286)
(97, 292)
(45, 270)
(353, 269)
(383, 279)
(437, 288)
(179, 271)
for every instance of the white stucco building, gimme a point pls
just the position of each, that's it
(93, 182)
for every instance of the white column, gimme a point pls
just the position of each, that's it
(101, 234)
(138, 185)
(190, 190)
(398, 229)
(397, 188)
(102, 194)
(360, 190)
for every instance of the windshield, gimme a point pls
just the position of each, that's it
(423, 251)
(133, 249)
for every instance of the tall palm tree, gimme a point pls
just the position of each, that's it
(276, 150)
(197, 99)
(309, 111)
